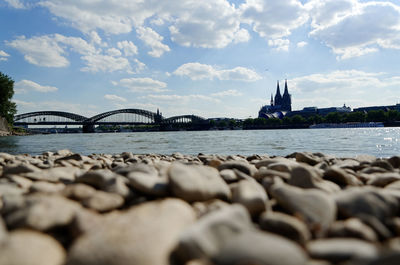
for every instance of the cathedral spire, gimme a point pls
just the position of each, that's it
(286, 89)
(278, 96)
(272, 100)
(286, 100)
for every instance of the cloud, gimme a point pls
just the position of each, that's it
(273, 19)
(141, 84)
(227, 93)
(182, 99)
(3, 56)
(81, 109)
(115, 98)
(24, 86)
(114, 52)
(154, 40)
(49, 50)
(338, 87)
(280, 44)
(128, 47)
(301, 44)
(352, 28)
(105, 63)
(198, 71)
(16, 4)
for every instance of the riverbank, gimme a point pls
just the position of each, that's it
(67, 208)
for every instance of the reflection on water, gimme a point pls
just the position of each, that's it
(381, 142)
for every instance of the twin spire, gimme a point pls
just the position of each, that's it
(285, 101)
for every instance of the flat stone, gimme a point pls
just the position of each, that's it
(46, 187)
(242, 166)
(251, 195)
(382, 164)
(356, 202)
(307, 177)
(22, 182)
(394, 161)
(352, 227)
(78, 192)
(308, 158)
(56, 174)
(269, 173)
(341, 249)
(229, 175)
(42, 212)
(33, 248)
(103, 201)
(197, 183)
(383, 179)
(285, 225)
(341, 177)
(149, 184)
(260, 248)
(19, 169)
(10, 189)
(137, 167)
(76, 157)
(315, 207)
(100, 179)
(145, 234)
(3, 230)
(203, 208)
(268, 161)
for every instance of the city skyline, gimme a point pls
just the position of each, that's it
(208, 58)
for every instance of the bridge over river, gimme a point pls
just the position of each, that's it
(115, 117)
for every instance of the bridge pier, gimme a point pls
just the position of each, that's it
(88, 128)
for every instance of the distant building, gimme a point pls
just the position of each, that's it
(384, 108)
(279, 106)
(311, 111)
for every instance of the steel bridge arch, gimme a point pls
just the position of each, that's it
(63, 114)
(175, 119)
(148, 114)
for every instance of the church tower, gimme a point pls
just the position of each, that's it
(272, 100)
(286, 100)
(278, 97)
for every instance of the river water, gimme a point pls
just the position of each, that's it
(380, 142)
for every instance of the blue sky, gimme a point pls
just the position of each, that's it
(213, 58)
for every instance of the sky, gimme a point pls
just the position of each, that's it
(211, 58)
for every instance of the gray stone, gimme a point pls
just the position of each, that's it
(22, 182)
(103, 201)
(10, 189)
(382, 164)
(356, 202)
(43, 212)
(76, 157)
(197, 183)
(269, 173)
(383, 179)
(242, 166)
(260, 248)
(63, 152)
(137, 167)
(100, 179)
(145, 234)
(46, 187)
(352, 227)
(33, 248)
(341, 249)
(56, 174)
(394, 161)
(19, 169)
(341, 177)
(308, 158)
(307, 177)
(149, 184)
(229, 175)
(78, 191)
(203, 208)
(394, 185)
(251, 195)
(315, 207)
(3, 230)
(285, 225)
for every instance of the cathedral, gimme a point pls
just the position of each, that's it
(280, 105)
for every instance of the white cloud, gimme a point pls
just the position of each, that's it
(3, 56)
(24, 86)
(346, 86)
(114, 52)
(354, 28)
(182, 99)
(227, 93)
(198, 71)
(154, 40)
(128, 47)
(301, 44)
(115, 98)
(141, 84)
(105, 63)
(279, 44)
(16, 4)
(273, 19)
(50, 50)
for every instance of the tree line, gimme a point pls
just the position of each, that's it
(7, 107)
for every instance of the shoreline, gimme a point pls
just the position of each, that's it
(202, 209)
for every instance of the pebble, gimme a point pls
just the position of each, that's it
(103, 201)
(197, 183)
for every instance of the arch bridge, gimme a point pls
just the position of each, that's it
(115, 117)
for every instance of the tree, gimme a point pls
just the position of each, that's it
(297, 119)
(7, 108)
(376, 115)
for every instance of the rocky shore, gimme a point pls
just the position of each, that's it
(66, 208)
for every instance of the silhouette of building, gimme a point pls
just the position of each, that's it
(279, 106)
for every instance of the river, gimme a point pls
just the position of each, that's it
(380, 142)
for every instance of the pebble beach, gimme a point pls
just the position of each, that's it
(305, 208)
